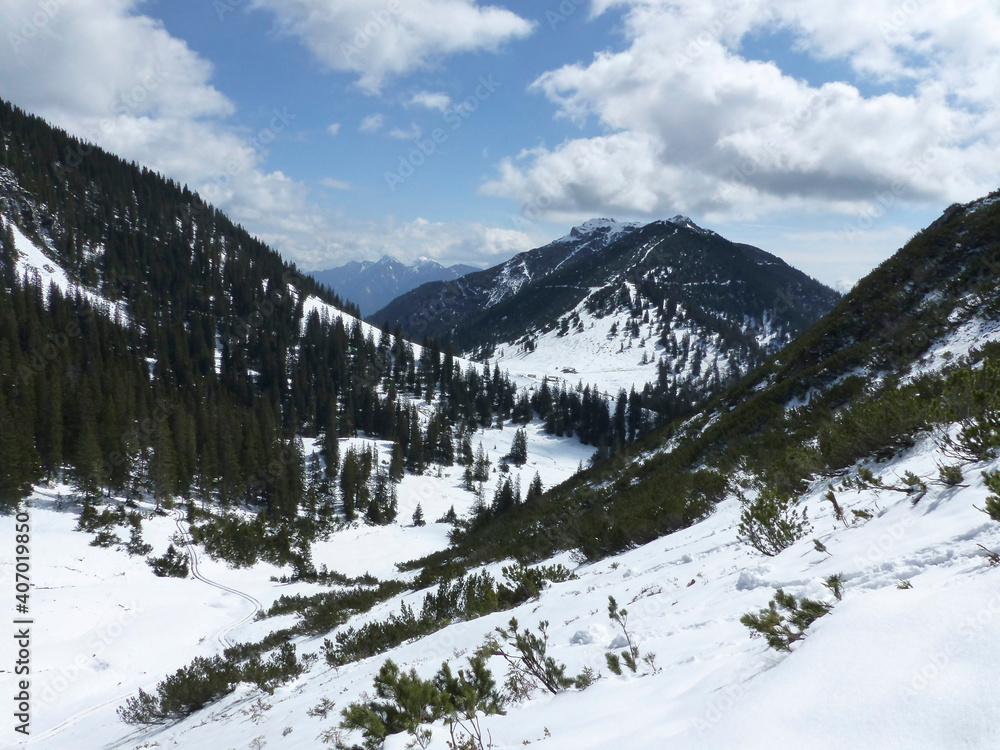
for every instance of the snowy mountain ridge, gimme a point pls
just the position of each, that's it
(668, 305)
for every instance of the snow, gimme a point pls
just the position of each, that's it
(614, 229)
(887, 668)
(596, 357)
(982, 203)
(34, 260)
(955, 346)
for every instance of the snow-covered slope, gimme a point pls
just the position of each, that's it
(35, 262)
(889, 667)
(673, 305)
(106, 626)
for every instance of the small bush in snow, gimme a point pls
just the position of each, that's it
(772, 523)
(979, 438)
(529, 663)
(629, 656)
(172, 564)
(950, 475)
(785, 620)
(405, 702)
(992, 506)
(836, 584)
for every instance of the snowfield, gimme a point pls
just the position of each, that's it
(889, 667)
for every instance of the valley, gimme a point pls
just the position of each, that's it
(640, 486)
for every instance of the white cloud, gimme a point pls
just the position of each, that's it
(473, 243)
(117, 79)
(372, 123)
(691, 125)
(333, 129)
(406, 135)
(336, 184)
(120, 80)
(378, 39)
(431, 100)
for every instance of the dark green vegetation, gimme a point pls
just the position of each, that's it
(813, 410)
(463, 598)
(785, 620)
(404, 702)
(207, 679)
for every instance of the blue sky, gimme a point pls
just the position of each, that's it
(467, 131)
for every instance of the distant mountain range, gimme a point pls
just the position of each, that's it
(373, 284)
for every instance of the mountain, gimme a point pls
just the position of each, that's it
(910, 352)
(667, 304)
(371, 285)
(435, 309)
(820, 541)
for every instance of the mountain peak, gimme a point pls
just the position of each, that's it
(685, 221)
(595, 226)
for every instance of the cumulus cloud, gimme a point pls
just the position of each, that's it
(447, 243)
(378, 40)
(372, 123)
(431, 100)
(414, 131)
(333, 129)
(118, 79)
(692, 125)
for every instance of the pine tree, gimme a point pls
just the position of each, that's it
(163, 465)
(396, 463)
(8, 256)
(15, 474)
(503, 496)
(519, 448)
(331, 452)
(534, 489)
(88, 463)
(481, 465)
(418, 516)
(466, 457)
(349, 485)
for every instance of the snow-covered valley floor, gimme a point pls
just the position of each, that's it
(889, 667)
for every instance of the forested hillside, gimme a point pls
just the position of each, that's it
(180, 357)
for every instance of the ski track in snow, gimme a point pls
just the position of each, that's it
(223, 635)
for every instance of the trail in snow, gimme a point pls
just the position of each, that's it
(223, 635)
(73, 720)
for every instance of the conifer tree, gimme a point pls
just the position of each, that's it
(519, 448)
(534, 489)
